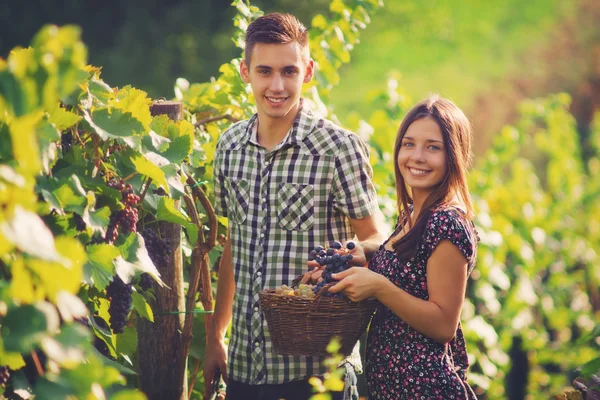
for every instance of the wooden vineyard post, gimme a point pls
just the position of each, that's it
(159, 348)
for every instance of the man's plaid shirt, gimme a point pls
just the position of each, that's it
(280, 205)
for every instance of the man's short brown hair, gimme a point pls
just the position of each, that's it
(275, 28)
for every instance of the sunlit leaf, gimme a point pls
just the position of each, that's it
(141, 306)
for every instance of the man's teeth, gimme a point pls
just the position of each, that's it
(275, 100)
(418, 171)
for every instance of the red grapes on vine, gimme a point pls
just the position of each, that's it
(127, 218)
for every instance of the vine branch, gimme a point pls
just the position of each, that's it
(217, 118)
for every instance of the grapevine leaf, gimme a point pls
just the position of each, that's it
(591, 367)
(98, 219)
(71, 195)
(61, 118)
(134, 102)
(127, 343)
(99, 269)
(179, 149)
(24, 327)
(135, 259)
(13, 361)
(100, 90)
(141, 306)
(147, 168)
(128, 395)
(175, 180)
(113, 124)
(70, 306)
(27, 231)
(167, 212)
(156, 141)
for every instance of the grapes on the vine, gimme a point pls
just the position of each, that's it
(119, 294)
(146, 281)
(127, 218)
(159, 249)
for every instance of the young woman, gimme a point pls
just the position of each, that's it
(416, 348)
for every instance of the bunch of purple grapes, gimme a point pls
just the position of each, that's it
(335, 259)
(159, 249)
(127, 218)
(66, 141)
(119, 294)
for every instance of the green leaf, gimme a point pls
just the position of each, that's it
(100, 268)
(135, 259)
(591, 367)
(167, 212)
(135, 102)
(99, 89)
(127, 342)
(175, 180)
(71, 196)
(128, 395)
(141, 306)
(24, 327)
(61, 118)
(156, 142)
(147, 168)
(99, 219)
(27, 231)
(179, 149)
(113, 124)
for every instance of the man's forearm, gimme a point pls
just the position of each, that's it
(225, 294)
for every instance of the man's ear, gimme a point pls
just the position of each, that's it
(310, 70)
(244, 72)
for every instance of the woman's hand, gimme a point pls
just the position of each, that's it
(357, 283)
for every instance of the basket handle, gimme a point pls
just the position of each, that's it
(296, 280)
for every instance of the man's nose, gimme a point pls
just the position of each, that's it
(276, 83)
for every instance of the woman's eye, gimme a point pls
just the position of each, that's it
(433, 147)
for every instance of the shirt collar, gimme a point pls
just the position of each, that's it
(303, 125)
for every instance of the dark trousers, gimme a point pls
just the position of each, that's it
(295, 390)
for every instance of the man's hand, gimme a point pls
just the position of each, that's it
(216, 357)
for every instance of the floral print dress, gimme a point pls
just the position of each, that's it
(402, 363)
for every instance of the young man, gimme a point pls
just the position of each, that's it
(288, 181)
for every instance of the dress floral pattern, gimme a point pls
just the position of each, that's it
(402, 363)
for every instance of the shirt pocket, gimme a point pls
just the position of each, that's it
(238, 200)
(295, 206)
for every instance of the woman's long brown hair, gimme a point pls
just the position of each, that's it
(456, 131)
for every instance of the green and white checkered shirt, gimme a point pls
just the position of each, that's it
(280, 205)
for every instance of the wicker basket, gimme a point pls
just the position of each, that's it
(306, 326)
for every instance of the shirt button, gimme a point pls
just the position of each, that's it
(256, 309)
(264, 200)
(258, 273)
(256, 344)
(266, 163)
(262, 235)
